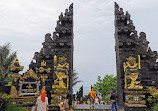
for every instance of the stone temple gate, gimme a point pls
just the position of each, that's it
(52, 69)
(136, 63)
(53, 66)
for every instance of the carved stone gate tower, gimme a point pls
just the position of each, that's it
(136, 63)
(51, 69)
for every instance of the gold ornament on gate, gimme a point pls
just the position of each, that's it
(131, 69)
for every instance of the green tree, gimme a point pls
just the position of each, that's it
(6, 59)
(75, 78)
(105, 85)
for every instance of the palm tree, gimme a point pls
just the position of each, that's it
(6, 59)
(75, 78)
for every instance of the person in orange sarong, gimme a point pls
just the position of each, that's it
(92, 97)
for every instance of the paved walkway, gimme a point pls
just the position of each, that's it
(96, 108)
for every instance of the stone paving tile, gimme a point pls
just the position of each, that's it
(96, 108)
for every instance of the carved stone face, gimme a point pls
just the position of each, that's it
(36, 56)
(61, 61)
(131, 62)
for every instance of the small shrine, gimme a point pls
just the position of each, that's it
(27, 87)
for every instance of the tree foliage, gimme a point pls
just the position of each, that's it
(152, 97)
(75, 78)
(6, 58)
(105, 85)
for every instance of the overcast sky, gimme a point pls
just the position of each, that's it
(24, 23)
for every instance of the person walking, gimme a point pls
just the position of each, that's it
(96, 102)
(66, 105)
(113, 98)
(42, 102)
(92, 97)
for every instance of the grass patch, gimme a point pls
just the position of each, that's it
(11, 107)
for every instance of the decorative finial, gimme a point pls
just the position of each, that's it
(149, 50)
(116, 5)
(71, 7)
(128, 15)
(16, 60)
(15, 67)
(61, 16)
(43, 63)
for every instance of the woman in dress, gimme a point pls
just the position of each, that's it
(42, 102)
